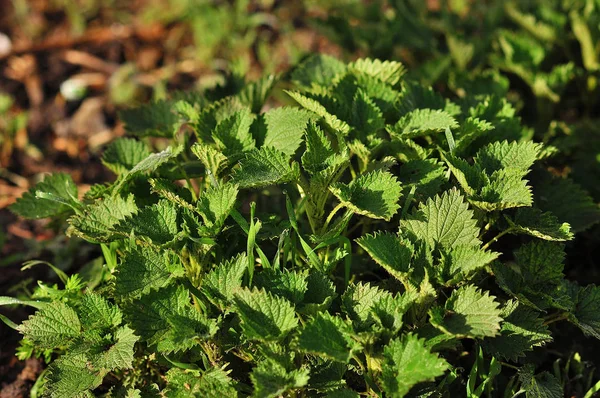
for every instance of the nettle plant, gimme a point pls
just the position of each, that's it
(361, 243)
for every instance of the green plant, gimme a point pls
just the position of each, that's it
(379, 240)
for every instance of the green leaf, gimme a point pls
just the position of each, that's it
(221, 283)
(319, 153)
(213, 383)
(506, 189)
(468, 313)
(374, 194)
(358, 301)
(143, 269)
(264, 316)
(290, 285)
(521, 331)
(534, 222)
(422, 122)
(407, 362)
(212, 159)
(59, 187)
(502, 155)
(265, 166)
(319, 294)
(389, 310)
(52, 326)
(172, 192)
(216, 203)
(389, 72)
(271, 380)
(317, 72)
(255, 94)
(120, 354)
(390, 251)
(123, 154)
(365, 115)
(150, 163)
(567, 201)
(459, 262)
(426, 176)
(97, 221)
(98, 313)
(157, 222)
(586, 314)
(167, 320)
(542, 385)
(329, 337)
(444, 220)
(232, 134)
(332, 121)
(69, 376)
(285, 128)
(154, 119)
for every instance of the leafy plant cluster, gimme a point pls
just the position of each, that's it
(357, 241)
(541, 54)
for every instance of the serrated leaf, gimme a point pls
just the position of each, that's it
(317, 72)
(213, 383)
(521, 331)
(271, 380)
(390, 251)
(290, 285)
(120, 354)
(374, 194)
(143, 269)
(232, 134)
(96, 312)
(444, 220)
(542, 385)
(459, 262)
(426, 176)
(97, 221)
(502, 155)
(285, 128)
(365, 115)
(265, 166)
(568, 202)
(358, 301)
(52, 326)
(318, 149)
(212, 159)
(152, 162)
(167, 320)
(534, 222)
(506, 189)
(123, 154)
(157, 222)
(154, 119)
(328, 336)
(59, 185)
(389, 310)
(468, 313)
(264, 316)
(389, 72)
(172, 192)
(319, 294)
(586, 314)
(255, 94)
(220, 284)
(216, 203)
(422, 122)
(407, 362)
(69, 376)
(314, 106)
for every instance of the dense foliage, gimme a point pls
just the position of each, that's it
(356, 241)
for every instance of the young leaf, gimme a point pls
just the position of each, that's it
(444, 220)
(390, 251)
(285, 128)
(52, 326)
(215, 205)
(318, 149)
(212, 159)
(220, 284)
(407, 362)
(468, 313)
(123, 154)
(58, 192)
(232, 134)
(157, 222)
(212, 383)
(389, 72)
(319, 294)
(314, 106)
(542, 385)
(502, 155)
(374, 194)
(422, 122)
(521, 331)
(265, 166)
(459, 262)
(290, 285)
(143, 269)
(154, 119)
(358, 301)
(328, 336)
(365, 116)
(264, 316)
(97, 313)
(534, 222)
(120, 354)
(272, 380)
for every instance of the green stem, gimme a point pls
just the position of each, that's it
(330, 216)
(560, 316)
(494, 239)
